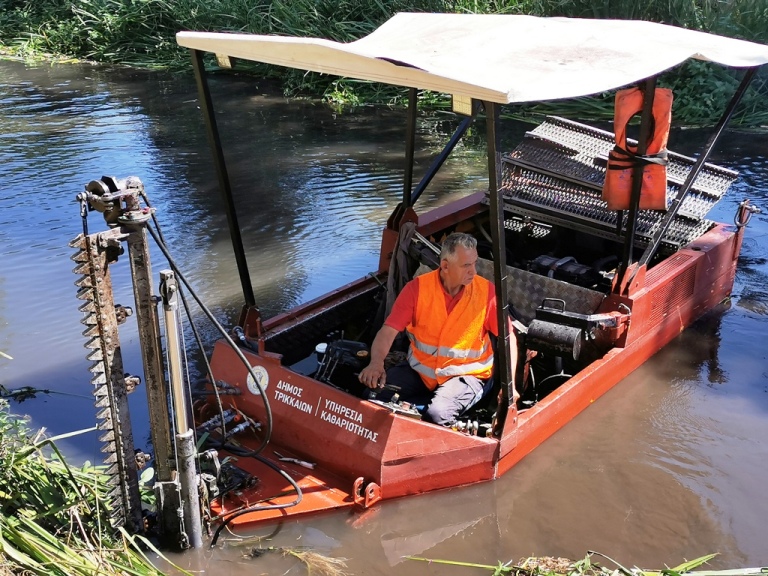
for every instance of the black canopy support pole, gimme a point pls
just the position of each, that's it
(619, 222)
(214, 141)
(504, 371)
(443, 156)
(410, 145)
(674, 207)
(646, 120)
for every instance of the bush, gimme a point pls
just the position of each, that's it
(142, 33)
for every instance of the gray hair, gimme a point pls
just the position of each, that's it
(455, 240)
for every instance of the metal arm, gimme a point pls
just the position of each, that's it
(653, 246)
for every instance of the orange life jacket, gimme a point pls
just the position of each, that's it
(444, 345)
(617, 189)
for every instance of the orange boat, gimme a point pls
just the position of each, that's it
(595, 292)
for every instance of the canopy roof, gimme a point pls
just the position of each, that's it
(501, 58)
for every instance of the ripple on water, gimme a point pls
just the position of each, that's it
(682, 434)
(754, 300)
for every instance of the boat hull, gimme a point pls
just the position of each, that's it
(363, 451)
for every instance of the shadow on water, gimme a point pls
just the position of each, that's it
(668, 465)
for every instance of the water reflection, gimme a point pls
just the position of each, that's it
(668, 465)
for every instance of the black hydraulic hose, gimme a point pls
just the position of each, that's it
(226, 336)
(552, 376)
(160, 240)
(195, 332)
(198, 339)
(256, 507)
(201, 347)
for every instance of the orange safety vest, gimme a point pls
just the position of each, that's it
(444, 345)
(617, 189)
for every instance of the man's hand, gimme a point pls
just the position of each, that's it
(373, 376)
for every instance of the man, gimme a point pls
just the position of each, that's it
(448, 315)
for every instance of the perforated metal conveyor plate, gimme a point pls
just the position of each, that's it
(556, 176)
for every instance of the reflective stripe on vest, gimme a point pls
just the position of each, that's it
(445, 351)
(617, 188)
(444, 346)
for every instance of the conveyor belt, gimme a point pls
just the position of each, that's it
(556, 176)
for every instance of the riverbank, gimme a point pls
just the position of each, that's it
(142, 34)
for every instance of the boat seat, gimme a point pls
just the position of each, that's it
(527, 290)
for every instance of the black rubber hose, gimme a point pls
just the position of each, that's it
(257, 508)
(227, 338)
(195, 332)
(158, 237)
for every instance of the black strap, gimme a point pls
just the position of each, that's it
(629, 159)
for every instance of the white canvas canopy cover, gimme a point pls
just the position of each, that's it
(500, 58)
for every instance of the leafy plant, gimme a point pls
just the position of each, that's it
(142, 33)
(550, 566)
(53, 517)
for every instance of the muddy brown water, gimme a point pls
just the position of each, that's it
(671, 464)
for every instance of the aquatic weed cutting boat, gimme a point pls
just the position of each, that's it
(595, 292)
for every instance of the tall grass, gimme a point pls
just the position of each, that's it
(589, 566)
(141, 33)
(54, 517)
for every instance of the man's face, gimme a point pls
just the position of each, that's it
(459, 267)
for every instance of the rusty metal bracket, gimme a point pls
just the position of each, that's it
(367, 496)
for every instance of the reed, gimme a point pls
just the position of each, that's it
(589, 566)
(141, 33)
(315, 562)
(54, 517)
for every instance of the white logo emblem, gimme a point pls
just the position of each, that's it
(262, 377)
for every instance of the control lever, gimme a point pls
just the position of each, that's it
(374, 392)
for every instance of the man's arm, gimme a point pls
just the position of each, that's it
(374, 375)
(513, 352)
(401, 315)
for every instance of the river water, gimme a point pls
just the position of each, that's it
(670, 465)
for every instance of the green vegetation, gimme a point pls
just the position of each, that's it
(549, 566)
(141, 33)
(54, 519)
